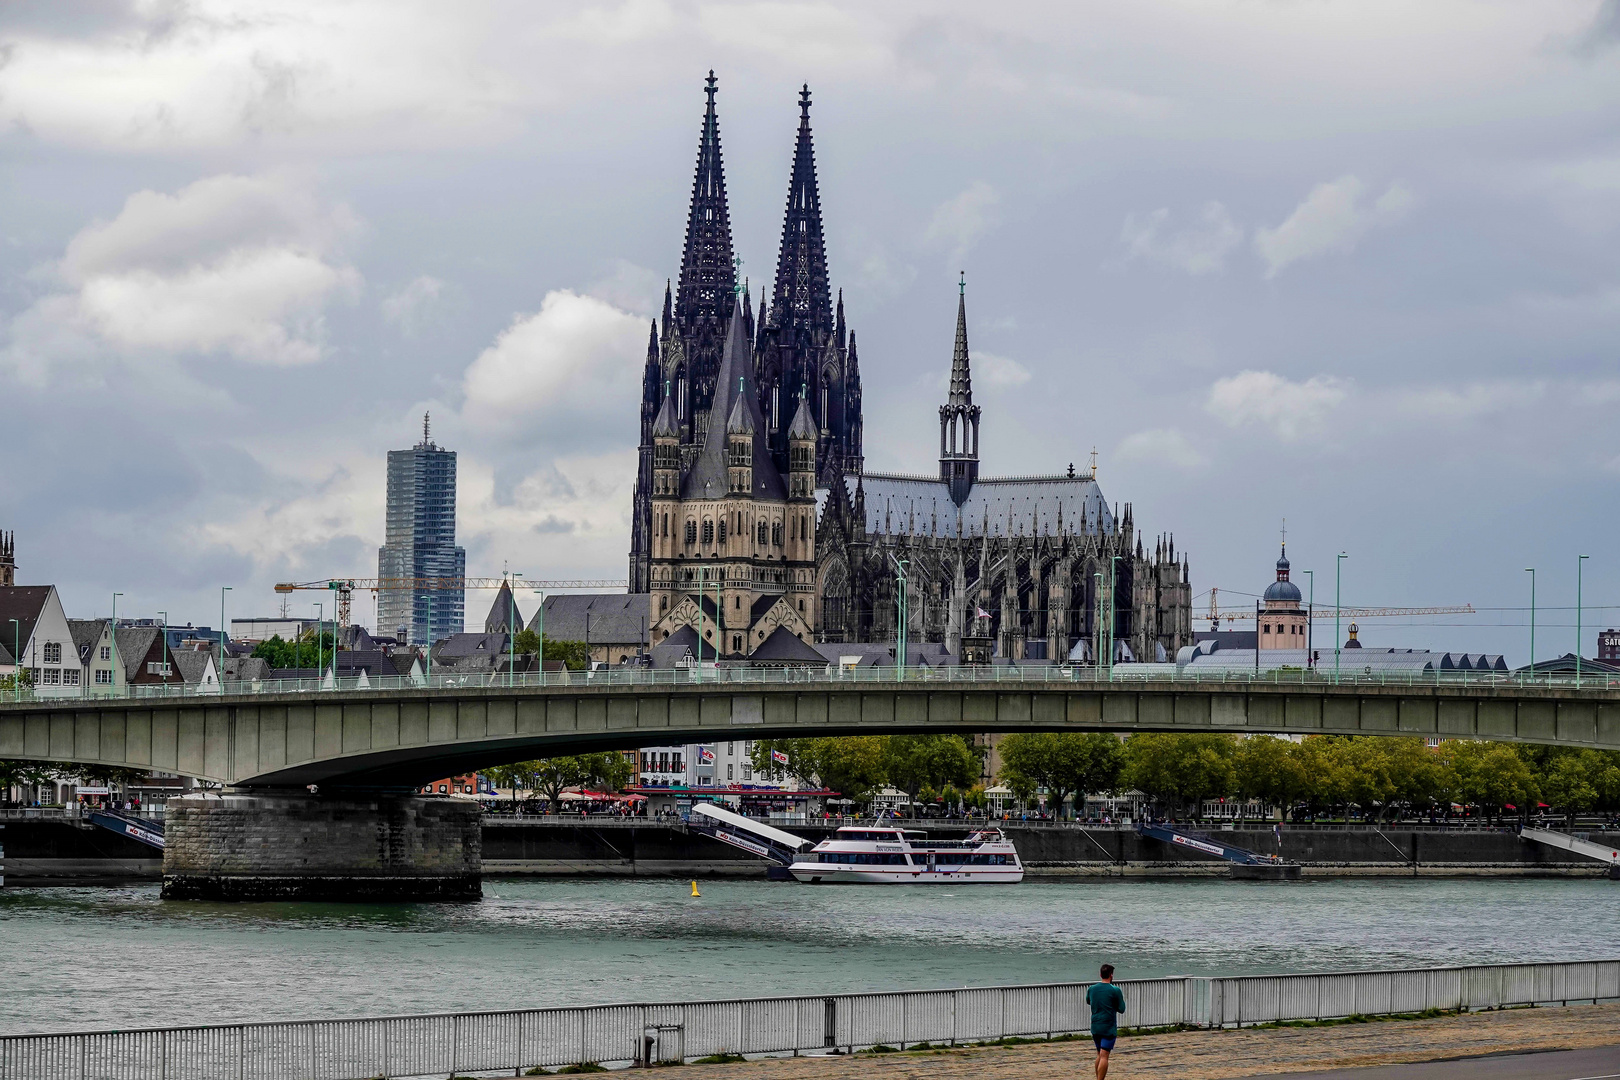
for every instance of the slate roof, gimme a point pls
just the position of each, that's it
(803, 427)
(247, 668)
(881, 654)
(784, 646)
(611, 618)
(921, 506)
(23, 603)
(86, 632)
(134, 642)
(682, 642)
(503, 613)
(733, 387)
(192, 664)
(459, 645)
(374, 662)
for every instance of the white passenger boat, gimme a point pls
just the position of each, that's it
(905, 856)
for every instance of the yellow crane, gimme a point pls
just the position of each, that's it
(1217, 616)
(345, 587)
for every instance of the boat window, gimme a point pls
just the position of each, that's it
(863, 858)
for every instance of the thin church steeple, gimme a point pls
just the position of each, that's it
(959, 417)
(708, 276)
(803, 300)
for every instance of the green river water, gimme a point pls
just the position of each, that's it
(89, 958)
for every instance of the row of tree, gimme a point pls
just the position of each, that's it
(1373, 776)
(858, 766)
(308, 647)
(607, 771)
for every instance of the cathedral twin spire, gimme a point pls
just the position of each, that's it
(959, 417)
(708, 274)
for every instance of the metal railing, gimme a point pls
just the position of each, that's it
(833, 676)
(651, 1033)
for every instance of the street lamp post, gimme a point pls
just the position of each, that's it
(701, 570)
(540, 634)
(219, 671)
(511, 640)
(1096, 661)
(1580, 564)
(1338, 563)
(1532, 572)
(16, 657)
(320, 628)
(900, 616)
(1310, 622)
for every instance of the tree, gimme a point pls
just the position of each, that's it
(1186, 769)
(575, 655)
(525, 642)
(849, 765)
(1492, 776)
(25, 774)
(1571, 782)
(305, 652)
(913, 762)
(1064, 763)
(1267, 769)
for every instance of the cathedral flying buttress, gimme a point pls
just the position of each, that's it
(757, 530)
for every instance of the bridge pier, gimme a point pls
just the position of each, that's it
(250, 845)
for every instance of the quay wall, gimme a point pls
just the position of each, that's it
(50, 852)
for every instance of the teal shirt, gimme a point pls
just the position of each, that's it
(1107, 1001)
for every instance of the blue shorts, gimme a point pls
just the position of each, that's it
(1104, 1042)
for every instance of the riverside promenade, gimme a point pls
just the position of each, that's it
(1232, 1053)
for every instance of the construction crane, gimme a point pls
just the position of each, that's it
(345, 587)
(1217, 616)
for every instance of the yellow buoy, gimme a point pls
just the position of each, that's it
(694, 889)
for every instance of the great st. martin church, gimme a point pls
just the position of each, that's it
(755, 518)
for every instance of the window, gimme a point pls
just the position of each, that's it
(441, 789)
(731, 749)
(691, 532)
(104, 678)
(70, 678)
(722, 532)
(1265, 628)
(52, 676)
(708, 532)
(729, 772)
(664, 528)
(106, 652)
(53, 652)
(748, 772)
(760, 533)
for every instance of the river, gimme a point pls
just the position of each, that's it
(89, 958)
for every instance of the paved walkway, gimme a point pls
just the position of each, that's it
(1227, 1055)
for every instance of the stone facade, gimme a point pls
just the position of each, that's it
(308, 847)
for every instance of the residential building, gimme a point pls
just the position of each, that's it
(1609, 645)
(92, 640)
(146, 658)
(419, 547)
(38, 638)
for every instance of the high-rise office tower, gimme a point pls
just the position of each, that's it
(420, 546)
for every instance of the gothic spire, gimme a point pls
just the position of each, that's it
(802, 298)
(708, 276)
(961, 376)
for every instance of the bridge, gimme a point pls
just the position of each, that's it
(364, 748)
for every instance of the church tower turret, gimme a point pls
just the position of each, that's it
(959, 417)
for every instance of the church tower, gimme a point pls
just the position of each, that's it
(683, 359)
(959, 417)
(805, 349)
(8, 559)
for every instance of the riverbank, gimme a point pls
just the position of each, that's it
(1222, 1054)
(67, 851)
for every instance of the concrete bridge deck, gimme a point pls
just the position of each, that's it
(401, 733)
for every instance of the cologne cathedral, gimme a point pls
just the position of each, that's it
(756, 529)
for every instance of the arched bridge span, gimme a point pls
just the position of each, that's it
(402, 738)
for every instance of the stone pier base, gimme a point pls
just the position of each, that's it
(309, 847)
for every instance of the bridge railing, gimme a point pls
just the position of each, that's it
(652, 1033)
(1144, 675)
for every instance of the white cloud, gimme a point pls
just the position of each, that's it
(1472, 400)
(1161, 446)
(997, 372)
(410, 306)
(1332, 218)
(235, 266)
(573, 511)
(960, 221)
(1290, 409)
(628, 286)
(1198, 250)
(572, 370)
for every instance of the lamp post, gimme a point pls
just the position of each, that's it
(1113, 587)
(219, 670)
(1580, 564)
(118, 662)
(163, 644)
(1532, 572)
(540, 633)
(1096, 661)
(900, 615)
(1310, 622)
(701, 571)
(511, 640)
(320, 628)
(1338, 563)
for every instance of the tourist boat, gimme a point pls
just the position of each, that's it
(879, 856)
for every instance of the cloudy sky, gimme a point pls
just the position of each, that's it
(1350, 264)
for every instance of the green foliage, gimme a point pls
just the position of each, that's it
(1064, 764)
(18, 680)
(851, 766)
(913, 762)
(582, 1067)
(1181, 769)
(607, 771)
(26, 773)
(1491, 776)
(525, 642)
(575, 655)
(308, 651)
(720, 1059)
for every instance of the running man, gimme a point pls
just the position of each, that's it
(1107, 1003)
